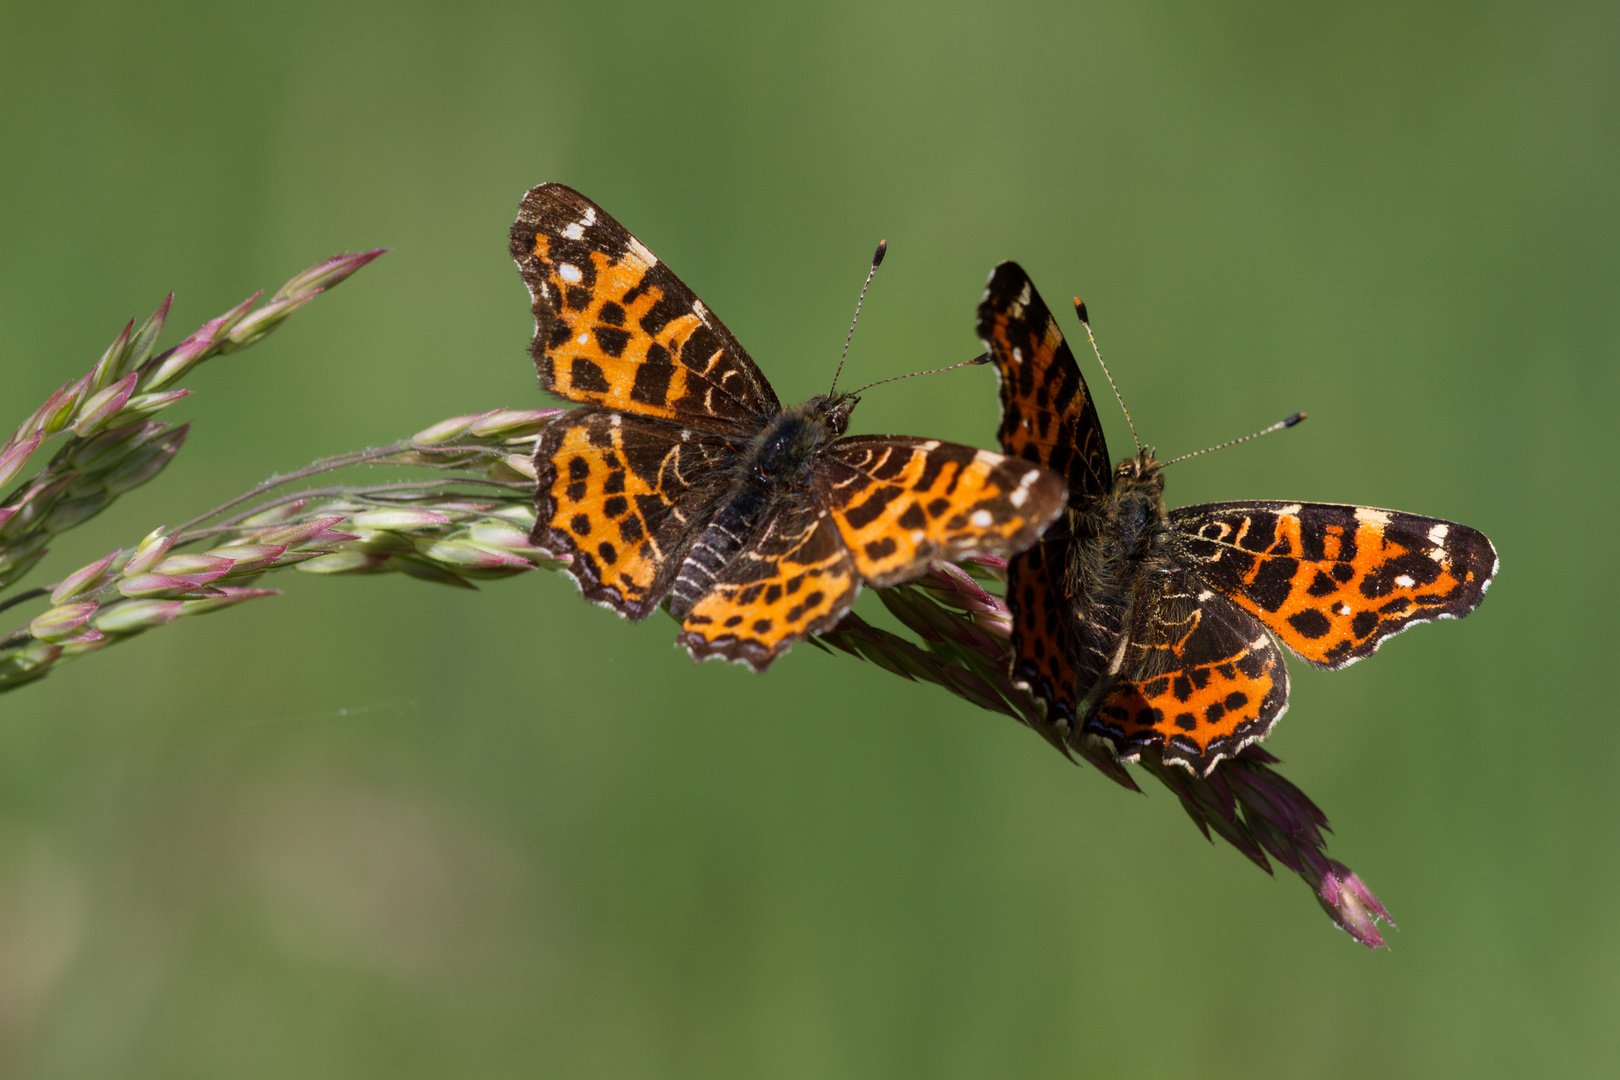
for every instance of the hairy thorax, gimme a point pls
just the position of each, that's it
(781, 456)
(1119, 538)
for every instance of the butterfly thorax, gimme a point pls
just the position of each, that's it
(1117, 539)
(782, 454)
(1137, 522)
(779, 460)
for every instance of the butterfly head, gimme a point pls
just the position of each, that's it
(832, 411)
(1143, 470)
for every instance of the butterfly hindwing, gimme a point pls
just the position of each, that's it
(615, 327)
(1199, 680)
(1040, 637)
(1332, 582)
(614, 493)
(1047, 415)
(900, 502)
(795, 578)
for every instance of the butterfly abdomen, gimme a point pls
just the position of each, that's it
(732, 525)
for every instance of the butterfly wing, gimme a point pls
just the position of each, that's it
(615, 327)
(794, 578)
(1332, 582)
(900, 502)
(1047, 416)
(1041, 613)
(615, 493)
(1196, 677)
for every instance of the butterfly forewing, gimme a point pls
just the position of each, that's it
(1047, 415)
(1332, 582)
(901, 502)
(615, 327)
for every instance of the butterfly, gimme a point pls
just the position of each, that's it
(1156, 630)
(682, 479)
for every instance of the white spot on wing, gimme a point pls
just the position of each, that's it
(639, 250)
(981, 519)
(987, 459)
(584, 339)
(569, 273)
(1367, 515)
(1021, 493)
(590, 215)
(1405, 581)
(576, 231)
(1437, 537)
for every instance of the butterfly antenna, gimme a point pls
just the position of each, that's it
(1085, 321)
(1278, 426)
(982, 358)
(877, 261)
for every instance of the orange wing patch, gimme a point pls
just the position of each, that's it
(1332, 582)
(600, 353)
(1047, 415)
(1199, 713)
(900, 502)
(796, 579)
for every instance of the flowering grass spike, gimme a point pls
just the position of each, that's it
(468, 518)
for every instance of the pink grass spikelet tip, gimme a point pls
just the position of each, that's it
(83, 580)
(325, 274)
(1352, 906)
(15, 455)
(104, 405)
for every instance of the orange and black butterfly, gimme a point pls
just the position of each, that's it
(1150, 628)
(682, 478)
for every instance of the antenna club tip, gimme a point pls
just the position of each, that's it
(1292, 420)
(1080, 310)
(877, 256)
(982, 358)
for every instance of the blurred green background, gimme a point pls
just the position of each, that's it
(378, 828)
